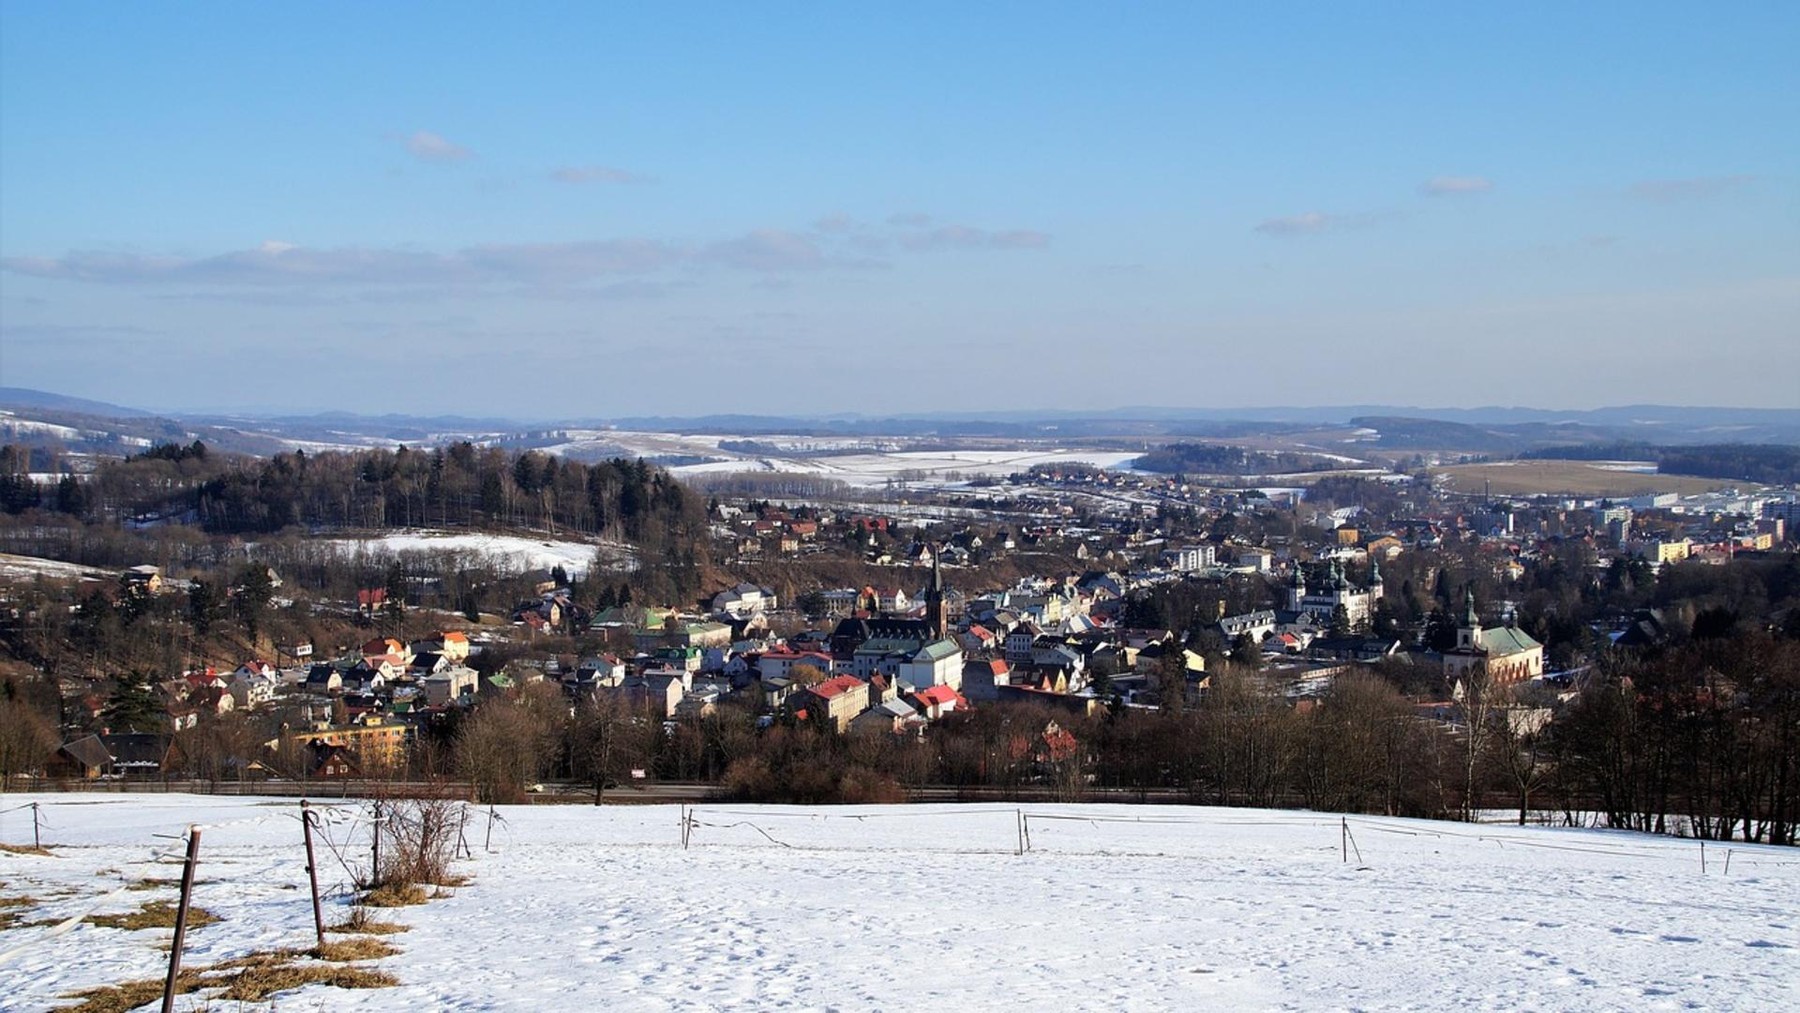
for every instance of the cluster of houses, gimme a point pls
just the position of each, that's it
(893, 659)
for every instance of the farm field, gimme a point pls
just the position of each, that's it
(1575, 478)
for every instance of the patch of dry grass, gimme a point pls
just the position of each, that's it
(354, 948)
(258, 984)
(27, 849)
(12, 909)
(255, 977)
(151, 884)
(264, 958)
(362, 921)
(156, 914)
(394, 895)
(127, 995)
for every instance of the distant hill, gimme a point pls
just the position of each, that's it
(55, 421)
(26, 399)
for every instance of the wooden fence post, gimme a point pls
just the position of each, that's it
(181, 913)
(312, 871)
(375, 849)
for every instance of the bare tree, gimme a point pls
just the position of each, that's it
(27, 738)
(1478, 703)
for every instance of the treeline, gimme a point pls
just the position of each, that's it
(458, 486)
(1768, 463)
(1219, 459)
(1702, 740)
(772, 484)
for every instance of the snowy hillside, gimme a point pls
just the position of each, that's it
(936, 908)
(501, 552)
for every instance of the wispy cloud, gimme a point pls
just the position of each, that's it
(966, 237)
(1313, 224)
(767, 250)
(909, 220)
(274, 264)
(1455, 186)
(429, 147)
(836, 242)
(1669, 191)
(281, 264)
(836, 222)
(578, 174)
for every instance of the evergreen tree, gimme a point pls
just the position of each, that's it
(132, 706)
(250, 598)
(393, 608)
(205, 607)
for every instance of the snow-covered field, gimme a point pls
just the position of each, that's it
(933, 908)
(505, 552)
(27, 567)
(874, 469)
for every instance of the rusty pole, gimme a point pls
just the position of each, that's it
(312, 870)
(181, 913)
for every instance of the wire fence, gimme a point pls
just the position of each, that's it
(1201, 834)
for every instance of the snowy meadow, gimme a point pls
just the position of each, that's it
(926, 907)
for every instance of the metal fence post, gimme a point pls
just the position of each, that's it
(312, 870)
(181, 913)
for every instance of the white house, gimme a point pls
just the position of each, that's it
(939, 663)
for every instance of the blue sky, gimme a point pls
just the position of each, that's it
(589, 210)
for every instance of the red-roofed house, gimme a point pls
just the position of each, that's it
(979, 638)
(936, 701)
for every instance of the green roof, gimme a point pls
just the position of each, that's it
(938, 650)
(1507, 640)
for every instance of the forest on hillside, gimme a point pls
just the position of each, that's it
(456, 486)
(1218, 459)
(1768, 463)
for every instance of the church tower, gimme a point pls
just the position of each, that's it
(937, 614)
(1468, 635)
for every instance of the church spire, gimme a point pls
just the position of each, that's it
(937, 615)
(1468, 635)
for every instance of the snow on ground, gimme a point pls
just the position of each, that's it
(26, 567)
(498, 551)
(930, 908)
(875, 469)
(1636, 467)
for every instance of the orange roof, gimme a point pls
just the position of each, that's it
(836, 686)
(939, 694)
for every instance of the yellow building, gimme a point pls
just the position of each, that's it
(376, 744)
